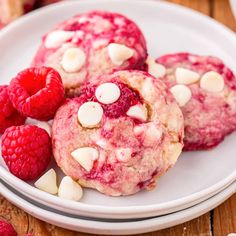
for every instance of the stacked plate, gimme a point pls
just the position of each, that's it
(199, 181)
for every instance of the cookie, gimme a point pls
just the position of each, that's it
(120, 135)
(89, 45)
(205, 89)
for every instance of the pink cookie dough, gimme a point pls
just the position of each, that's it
(92, 33)
(209, 116)
(133, 152)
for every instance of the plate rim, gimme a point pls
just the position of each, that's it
(140, 226)
(122, 209)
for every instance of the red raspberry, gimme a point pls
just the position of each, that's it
(6, 229)
(37, 92)
(26, 151)
(8, 115)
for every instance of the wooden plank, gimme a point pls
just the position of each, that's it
(200, 226)
(202, 6)
(224, 217)
(221, 11)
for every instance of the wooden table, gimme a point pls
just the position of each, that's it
(219, 222)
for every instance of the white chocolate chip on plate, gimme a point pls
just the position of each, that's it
(107, 93)
(181, 93)
(69, 189)
(138, 111)
(57, 37)
(85, 156)
(185, 76)
(119, 53)
(90, 114)
(212, 82)
(73, 59)
(47, 182)
(155, 69)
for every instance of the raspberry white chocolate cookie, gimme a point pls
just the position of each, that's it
(206, 92)
(122, 141)
(92, 44)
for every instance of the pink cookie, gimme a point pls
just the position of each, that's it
(92, 44)
(120, 135)
(206, 91)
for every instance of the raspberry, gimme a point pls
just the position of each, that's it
(26, 151)
(128, 98)
(37, 92)
(8, 115)
(6, 229)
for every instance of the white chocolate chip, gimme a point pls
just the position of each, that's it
(185, 76)
(57, 37)
(73, 59)
(155, 69)
(149, 132)
(181, 93)
(107, 93)
(139, 130)
(45, 126)
(152, 132)
(123, 154)
(69, 189)
(48, 182)
(173, 152)
(119, 53)
(212, 82)
(138, 111)
(90, 114)
(85, 156)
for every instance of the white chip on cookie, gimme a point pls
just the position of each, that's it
(185, 76)
(181, 93)
(73, 59)
(69, 189)
(85, 156)
(90, 114)
(47, 182)
(107, 93)
(173, 152)
(57, 37)
(138, 111)
(212, 82)
(123, 154)
(119, 53)
(155, 69)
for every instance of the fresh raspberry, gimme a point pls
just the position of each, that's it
(37, 92)
(6, 229)
(26, 151)
(8, 115)
(128, 98)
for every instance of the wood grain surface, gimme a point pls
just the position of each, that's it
(219, 222)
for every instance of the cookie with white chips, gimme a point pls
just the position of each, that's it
(205, 89)
(92, 44)
(120, 135)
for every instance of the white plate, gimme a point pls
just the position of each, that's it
(116, 228)
(168, 28)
